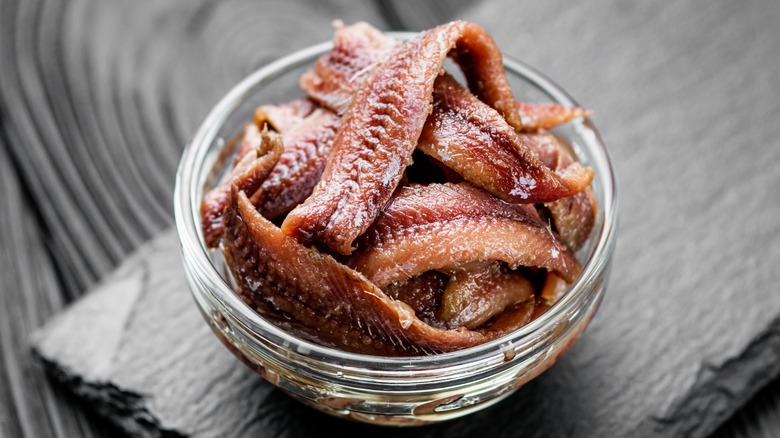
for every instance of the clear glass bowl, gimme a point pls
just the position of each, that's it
(385, 390)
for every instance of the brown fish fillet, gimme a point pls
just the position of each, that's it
(330, 301)
(360, 47)
(306, 149)
(282, 117)
(436, 226)
(478, 292)
(540, 116)
(335, 78)
(382, 125)
(515, 317)
(261, 151)
(422, 293)
(554, 288)
(574, 216)
(353, 45)
(474, 140)
(286, 116)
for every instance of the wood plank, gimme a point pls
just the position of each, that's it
(30, 294)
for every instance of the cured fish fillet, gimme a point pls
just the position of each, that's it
(475, 141)
(307, 146)
(547, 115)
(478, 292)
(381, 127)
(328, 300)
(336, 77)
(261, 151)
(574, 216)
(437, 226)
(368, 259)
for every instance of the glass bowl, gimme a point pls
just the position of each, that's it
(385, 390)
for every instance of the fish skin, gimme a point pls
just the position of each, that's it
(574, 216)
(248, 173)
(481, 291)
(306, 149)
(423, 294)
(336, 76)
(382, 125)
(436, 226)
(475, 141)
(535, 117)
(328, 300)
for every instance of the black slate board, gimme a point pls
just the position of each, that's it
(758, 418)
(689, 99)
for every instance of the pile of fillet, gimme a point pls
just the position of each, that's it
(394, 211)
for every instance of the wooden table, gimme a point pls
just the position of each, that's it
(97, 99)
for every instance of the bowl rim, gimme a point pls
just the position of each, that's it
(188, 226)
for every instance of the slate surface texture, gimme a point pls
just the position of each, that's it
(97, 99)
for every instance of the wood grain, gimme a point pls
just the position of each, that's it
(30, 294)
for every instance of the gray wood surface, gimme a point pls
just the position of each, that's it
(29, 404)
(97, 99)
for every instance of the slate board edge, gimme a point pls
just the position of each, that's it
(126, 408)
(720, 391)
(118, 405)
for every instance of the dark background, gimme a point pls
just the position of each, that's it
(98, 98)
